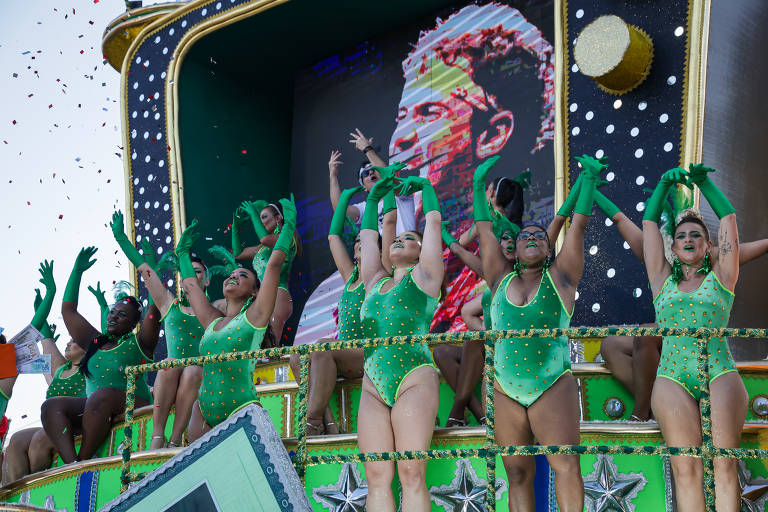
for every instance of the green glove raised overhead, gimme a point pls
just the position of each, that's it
(502, 225)
(699, 176)
(655, 204)
(590, 175)
(480, 208)
(186, 240)
(382, 187)
(82, 263)
(448, 238)
(605, 204)
(389, 203)
(340, 214)
(101, 299)
(524, 179)
(118, 231)
(43, 307)
(285, 239)
(412, 184)
(150, 258)
(253, 209)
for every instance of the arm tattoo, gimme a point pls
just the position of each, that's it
(726, 247)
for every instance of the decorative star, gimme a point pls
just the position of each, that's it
(754, 493)
(348, 495)
(607, 490)
(466, 493)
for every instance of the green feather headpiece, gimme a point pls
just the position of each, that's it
(168, 261)
(228, 265)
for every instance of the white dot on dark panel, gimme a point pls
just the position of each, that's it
(134, 133)
(170, 282)
(159, 136)
(141, 190)
(157, 116)
(159, 250)
(609, 128)
(135, 204)
(595, 307)
(165, 189)
(161, 163)
(589, 115)
(146, 227)
(640, 206)
(672, 80)
(154, 231)
(573, 107)
(157, 39)
(151, 78)
(138, 238)
(204, 12)
(593, 250)
(611, 272)
(663, 118)
(617, 104)
(668, 147)
(610, 176)
(146, 135)
(141, 97)
(138, 60)
(599, 153)
(165, 52)
(637, 292)
(679, 31)
(146, 159)
(146, 114)
(575, 68)
(634, 131)
(157, 204)
(640, 180)
(146, 205)
(183, 24)
(157, 95)
(135, 181)
(218, 6)
(173, 30)
(167, 225)
(165, 207)
(626, 246)
(134, 114)
(642, 105)
(639, 153)
(168, 239)
(576, 130)
(608, 222)
(150, 177)
(580, 13)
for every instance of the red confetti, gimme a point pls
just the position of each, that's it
(95, 1)
(29, 204)
(14, 121)
(61, 216)
(82, 52)
(30, 95)
(245, 151)
(50, 106)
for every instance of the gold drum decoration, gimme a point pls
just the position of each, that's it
(614, 54)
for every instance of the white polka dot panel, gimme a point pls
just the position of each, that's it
(672, 80)
(580, 13)
(608, 222)
(663, 118)
(634, 131)
(595, 307)
(610, 176)
(637, 292)
(642, 105)
(640, 206)
(639, 153)
(599, 153)
(611, 272)
(617, 104)
(668, 147)
(575, 131)
(640, 180)
(573, 107)
(626, 245)
(593, 250)
(609, 129)
(589, 115)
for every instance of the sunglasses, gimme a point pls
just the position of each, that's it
(538, 235)
(365, 173)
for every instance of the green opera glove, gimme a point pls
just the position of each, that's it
(717, 200)
(655, 204)
(150, 258)
(524, 179)
(101, 299)
(186, 240)
(480, 208)
(253, 208)
(285, 239)
(382, 187)
(340, 214)
(570, 202)
(448, 238)
(44, 329)
(412, 184)
(82, 263)
(590, 175)
(118, 231)
(605, 204)
(389, 203)
(237, 221)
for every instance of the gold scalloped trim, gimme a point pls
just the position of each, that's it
(643, 75)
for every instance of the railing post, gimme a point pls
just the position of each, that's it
(301, 432)
(130, 399)
(490, 426)
(707, 446)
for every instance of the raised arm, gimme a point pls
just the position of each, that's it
(727, 266)
(101, 300)
(82, 332)
(629, 231)
(149, 332)
(656, 263)
(428, 273)
(203, 309)
(365, 146)
(494, 262)
(339, 251)
(42, 310)
(470, 259)
(748, 251)
(371, 269)
(388, 227)
(262, 308)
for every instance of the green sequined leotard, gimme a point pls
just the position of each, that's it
(405, 309)
(351, 326)
(228, 386)
(260, 264)
(486, 302)
(74, 385)
(183, 332)
(708, 306)
(107, 367)
(526, 367)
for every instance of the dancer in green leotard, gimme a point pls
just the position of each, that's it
(399, 398)
(695, 292)
(175, 387)
(534, 390)
(30, 450)
(267, 220)
(228, 386)
(102, 365)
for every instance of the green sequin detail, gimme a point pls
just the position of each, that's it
(526, 367)
(708, 306)
(351, 326)
(228, 386)
(485, 300)
(403, 310)
(183, 333)
(107, 367)
(260, 264)
(74, 385)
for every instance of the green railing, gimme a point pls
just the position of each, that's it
(490, 450)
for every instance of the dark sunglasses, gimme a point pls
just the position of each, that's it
(538, 235)
(365, 173)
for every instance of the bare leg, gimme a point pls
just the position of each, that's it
(448, 360)
(554, 420)
(678, 416)
(729, 410)
(186, 395)
(617, 354)
(281, 314)
(374, 434)
(103, 405)
(645, 361)
(513, 428)
(17, 455)
(470, 371)
(166, 384)
(326, 367)
(413, 420)
(41, 452)
(197, 424)
(61, 416)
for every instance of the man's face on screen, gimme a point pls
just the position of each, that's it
(433, 118)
